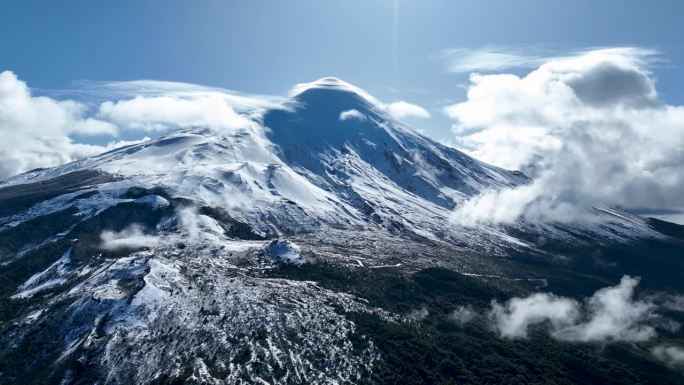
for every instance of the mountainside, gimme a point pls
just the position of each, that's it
(308, 246)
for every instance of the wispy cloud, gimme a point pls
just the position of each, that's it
(490, 58)
(99, 91)
(493, 58)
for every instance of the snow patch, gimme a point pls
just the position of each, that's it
(53, 276)
(284, 251)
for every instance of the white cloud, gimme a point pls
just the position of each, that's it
(419, 314)
(462, 315)
(352, 114)
(611, 314)
(672, 356)
(513, 319)
(123, 143)
(489, 58)
(131, 237)
(589, 129)
(614, 315)
(90, 126)
(402, 109)
(161, 113)
(36, 130)
(497, 58)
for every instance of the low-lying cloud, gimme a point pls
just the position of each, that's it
(611, 314)
(462, 315)
(513, 319)
(589, 129)
(132, 237)
(672, 356)
(196, 226)
(419, 314)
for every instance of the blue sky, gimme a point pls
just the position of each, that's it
(390, 48)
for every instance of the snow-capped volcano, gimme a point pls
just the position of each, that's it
(330, 155)
(331, 128)
(191, 256)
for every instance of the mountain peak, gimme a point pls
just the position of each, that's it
(331, 85)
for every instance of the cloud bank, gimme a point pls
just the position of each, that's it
(590, 130)
(611, 314)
